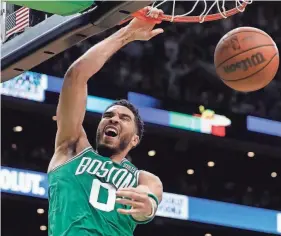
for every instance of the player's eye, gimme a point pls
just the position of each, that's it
(125, 118)
(107, 115)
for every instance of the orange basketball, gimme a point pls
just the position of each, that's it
(246, 59)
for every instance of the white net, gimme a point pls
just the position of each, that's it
(222, 8)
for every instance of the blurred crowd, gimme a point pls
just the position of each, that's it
(178, 65)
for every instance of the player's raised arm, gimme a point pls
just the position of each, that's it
(72, 102)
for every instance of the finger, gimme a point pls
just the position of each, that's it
(155, 32)
(130, 203)
(153, 12)
(130, 189)
(131, 195)
(158, 13)
(154, 15)
(128, 212)
(147, 10)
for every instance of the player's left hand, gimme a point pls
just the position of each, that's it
(137, 198)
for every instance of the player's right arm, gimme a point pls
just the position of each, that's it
(72, 102)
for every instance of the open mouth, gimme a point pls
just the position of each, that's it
(111, 132)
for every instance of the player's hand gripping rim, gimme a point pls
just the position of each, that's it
(142, 29)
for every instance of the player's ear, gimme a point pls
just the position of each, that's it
(135, 140)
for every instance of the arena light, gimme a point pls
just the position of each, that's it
(208, 234)
(14, 146)
(190, 171)
(43, 227)
(17, 129)
(40, 211)
(211, 164)
(152, 153)
(273, 174)
(251, 154)
(249, 189)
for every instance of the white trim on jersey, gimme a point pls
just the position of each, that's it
(72, 158)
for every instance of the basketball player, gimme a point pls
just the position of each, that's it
(100, 192)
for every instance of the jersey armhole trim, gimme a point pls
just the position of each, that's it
(72, 158)
(137, 174)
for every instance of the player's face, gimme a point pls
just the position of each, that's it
(116, 131)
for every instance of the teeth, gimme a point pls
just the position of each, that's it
(111, 130)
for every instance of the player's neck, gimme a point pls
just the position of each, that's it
(118, 158)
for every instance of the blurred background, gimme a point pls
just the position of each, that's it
(220, 177)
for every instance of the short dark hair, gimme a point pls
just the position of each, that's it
(138, 120)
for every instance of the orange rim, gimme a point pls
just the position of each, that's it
(185, 19)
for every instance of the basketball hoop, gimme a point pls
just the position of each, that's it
(205, 15)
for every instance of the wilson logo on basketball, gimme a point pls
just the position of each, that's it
(244, 65)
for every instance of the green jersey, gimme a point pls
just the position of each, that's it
(82, 196)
